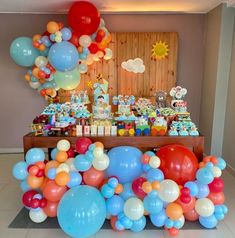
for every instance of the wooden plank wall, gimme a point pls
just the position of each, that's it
(158, 75)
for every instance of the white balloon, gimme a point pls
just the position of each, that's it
(204, 207)
(63, 145)
(89, 59)
(82, 68)
(34, 85)
(101, 163)
(154, 162)
(37, 216)
(216, 171)
(70, 163)
(108, 54)
(182, 220)
(169, 190)
(98, 152)
(63, 167)
(41, 61)
(134, 208)
(85, 41)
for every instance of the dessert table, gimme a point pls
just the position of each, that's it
(142, 142)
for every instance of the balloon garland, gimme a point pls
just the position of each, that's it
(58, 56)
(84, 185)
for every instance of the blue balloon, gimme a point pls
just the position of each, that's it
(24, 186)
(54, 153)
(33, 79)
(113, 182)
(169, 223)
(82, 56)
(119, 226)
(63, 56)
(155, 174)
(203, 190)
(66, 33)
(208, 222)
(23, 52)
(204, 176)
(47, 85)
(107, 191)
(35, 155)
(127, 191)
(20, 171)
(51, 174)
(221, 163)
(81, 163)
(89, 155)
(219, 217)
(125, 163)
(75, 179)
(81, 211)
(146, 167)
(177, 224)
(139, 225)
(153, 205)
(45, 40)
(126, 222)
(158, 219)
(192, 186)
(219, 209)
(86, 51)
(115, 205)
(225, 209)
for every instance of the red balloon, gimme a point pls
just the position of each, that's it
(82, 145)
(70, 153)
(93, 177)
(187, 206)
(40, 173)
(53, 192)
(75, 39)
(83, 18)
(51, 209)
(173, 231)
(216, 186)
(185, 198)
(28, 197)
(98, 38)
(185, 191)
(217, 198)
(93, 48)
(43, 202)
(178, 163)
(137, 187)
(35, 203)
(191, 215)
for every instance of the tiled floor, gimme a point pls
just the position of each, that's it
(10, 204)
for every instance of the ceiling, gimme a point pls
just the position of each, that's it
(112, 6)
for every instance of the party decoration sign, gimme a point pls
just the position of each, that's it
(134, 65)
(160, 50)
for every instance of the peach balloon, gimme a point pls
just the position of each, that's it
(61, 156)
(99, 144)
(62, 178)
(156, 185)
(118, 189)
(174, 211)
(51, 164)
(191, 215)
(187, 206)
(52, 27)
(217, 198)
(93, 177)
(51, 209)
(147, 187)
(34, 182)
(40, 165)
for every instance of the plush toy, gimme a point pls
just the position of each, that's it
(161, 99)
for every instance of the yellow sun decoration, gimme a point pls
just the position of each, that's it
(160, 50)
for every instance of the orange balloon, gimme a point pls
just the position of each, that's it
(27, 77)
(99, 144)
(53, 192)
(48, 91)
(109, 38)
(33, 170)
(44, 183)
(173, 231)
(217, 198)
(214, 160)
(145, 159)
(51, 164)
(40, 165)
(147, 187)
(191, 215)
(52, 27)
(174, 211)
(51, 209)
(207, 159)
(35, 72)
(103, 44)
(201, 164)
(61, 156)
(62, 178)
(118, 189)
(93, 177)
(187, 206)
(42, 47)
(34, 182)
(155, 185)
(80, 49)
(36, 37)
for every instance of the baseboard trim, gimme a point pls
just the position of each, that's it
(231, 170)
(11, 150)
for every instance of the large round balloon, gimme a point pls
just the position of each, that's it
(67, 80)
(83, 18)
(81, 211)
(178, 163)
(125, 163)
(63, 56)
(23, 52)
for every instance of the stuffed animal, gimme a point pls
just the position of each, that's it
(161, 99)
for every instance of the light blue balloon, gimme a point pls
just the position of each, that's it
(150, 153)
(51, 174)
(155, 174)
(204, 176)
(125, 163)
(45, 40)
(146, 167)
(139, 225)
(33, 79)
(63, 56)
(169, 223)
(221, 163)
(203, 190)
(54, 153)
(107, 191)
(158, 219)
(218, 209)
(115, 205)
(219, 217)
(75, 179)
(82, 56)
(177, 224)
(47, 85)
(192, 186)
(153, 205)
(24, 186)
(113, 182)
(127, 191)
(225, 209)
(19, 170)
(81, 163)
(119, 226)
(81, 211)
(86, 51)
(126, 222)
(208, 222)
(23, 52)
(89, 155)
(35, 155)
(66, 33)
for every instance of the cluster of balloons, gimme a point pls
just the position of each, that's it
(59, 55)
(83, 186)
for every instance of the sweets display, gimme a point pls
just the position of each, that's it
(130, 116)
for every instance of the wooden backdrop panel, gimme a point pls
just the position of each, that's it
(158, 75)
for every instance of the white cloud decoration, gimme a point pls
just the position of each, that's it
(134, 65)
